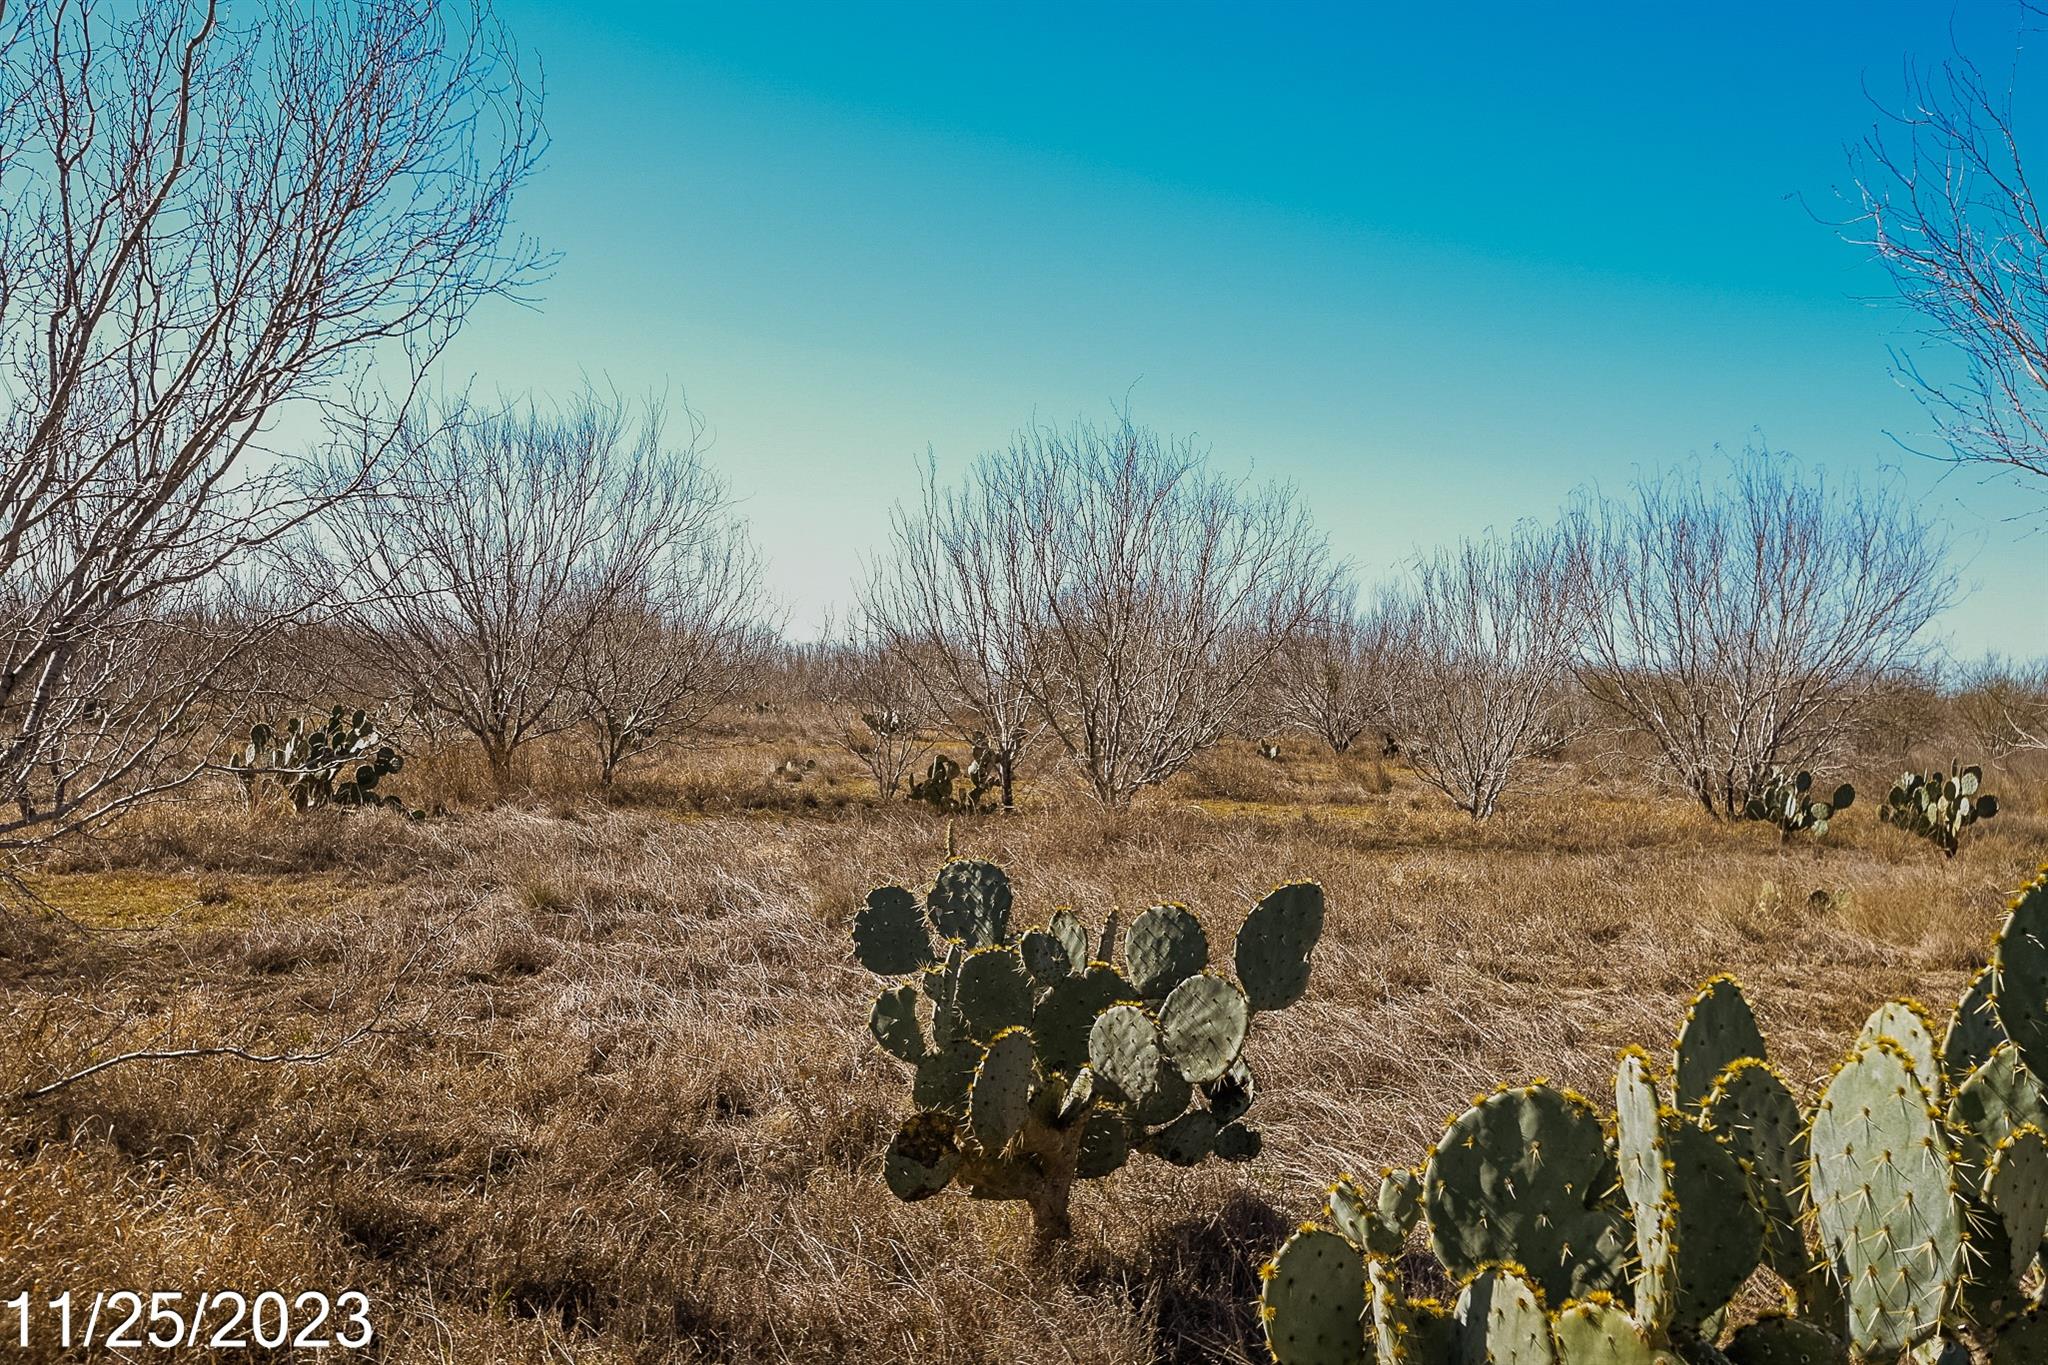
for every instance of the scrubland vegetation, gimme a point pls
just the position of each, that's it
(432, 861)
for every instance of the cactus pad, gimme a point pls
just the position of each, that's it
(1997, 1099)
(1187, 1140)
(893, 1021)
(1062, 1019)
(1380, 1220)
(889, 936)
(1698, 1236)
(2019, 975)
(1274, 944)
(1000, 1096)
(1067, 928)
(970, 901)
(1525, 1176)
(995, 992)
(1645, 1179)
(1781, 1340)
(1165, 946)
(1313, 1301)
(1501, 1321)
(922, 1157)
(1124, 1049)
(1235, 1142)
(1973, 1031)
(1883, 1189)
(1105, 1145)
(1597, 1332)
(1719, 1028)
(1752, 1109)
(1203, 1024)
(1045, 957)
(944, 1076)
(1905, 1022)
(1230, 1095)
(2016, 1188)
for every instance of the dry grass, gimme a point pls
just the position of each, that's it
(624, 1108)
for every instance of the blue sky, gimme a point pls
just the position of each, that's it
(1437, 269)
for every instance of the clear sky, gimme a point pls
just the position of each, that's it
(1436, 265)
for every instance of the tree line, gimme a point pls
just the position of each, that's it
(231, 253)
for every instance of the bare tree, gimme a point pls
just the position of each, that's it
(954, 593)
(1494, 626)
(690, 635)
(881, 708)
(1948, 207)
(1344, 674)
(2003, 704)
(1161, 591)
(1742, 625)
(480, 565)
(208, 231)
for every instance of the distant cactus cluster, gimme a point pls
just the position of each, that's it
(1903, 1214)
(1787, 801)
(1038, 1061)
(1939, 807)
(953, 790)
(337, 763)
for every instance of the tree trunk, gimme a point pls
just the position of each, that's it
(1009, 773)
(498, 753)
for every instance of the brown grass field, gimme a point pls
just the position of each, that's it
(619, 1103)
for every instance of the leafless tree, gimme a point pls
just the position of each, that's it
(1162, 592)
(480, 565)
(954, 594)
(1947, 204)
(688, 637)
(1344, 673)
(1494, 626)
(1741, 624)
(881, 709)
(210, 231)
(2003, 704)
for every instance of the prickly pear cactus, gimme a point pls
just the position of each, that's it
(340, 762)
(1788, 801)
(1939, 808)
(1035, 1065)
(1904, 1214)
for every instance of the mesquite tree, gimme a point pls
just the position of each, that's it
(1494, 625)
(953, 593)
(1743, 624)
(1345, 674)
(1161, 591)
(1947, 206)
(687, 636)
(480, 566)
(208, 230)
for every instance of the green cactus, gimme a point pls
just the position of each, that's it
(1939, 808)
(1787, 801)
(1526, 1176)
(1719, 1029)
(1035, 1066)
(951, 789)
(339, 763)
(1973, 1032)
(1886, 1199)
(1921, 1172)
